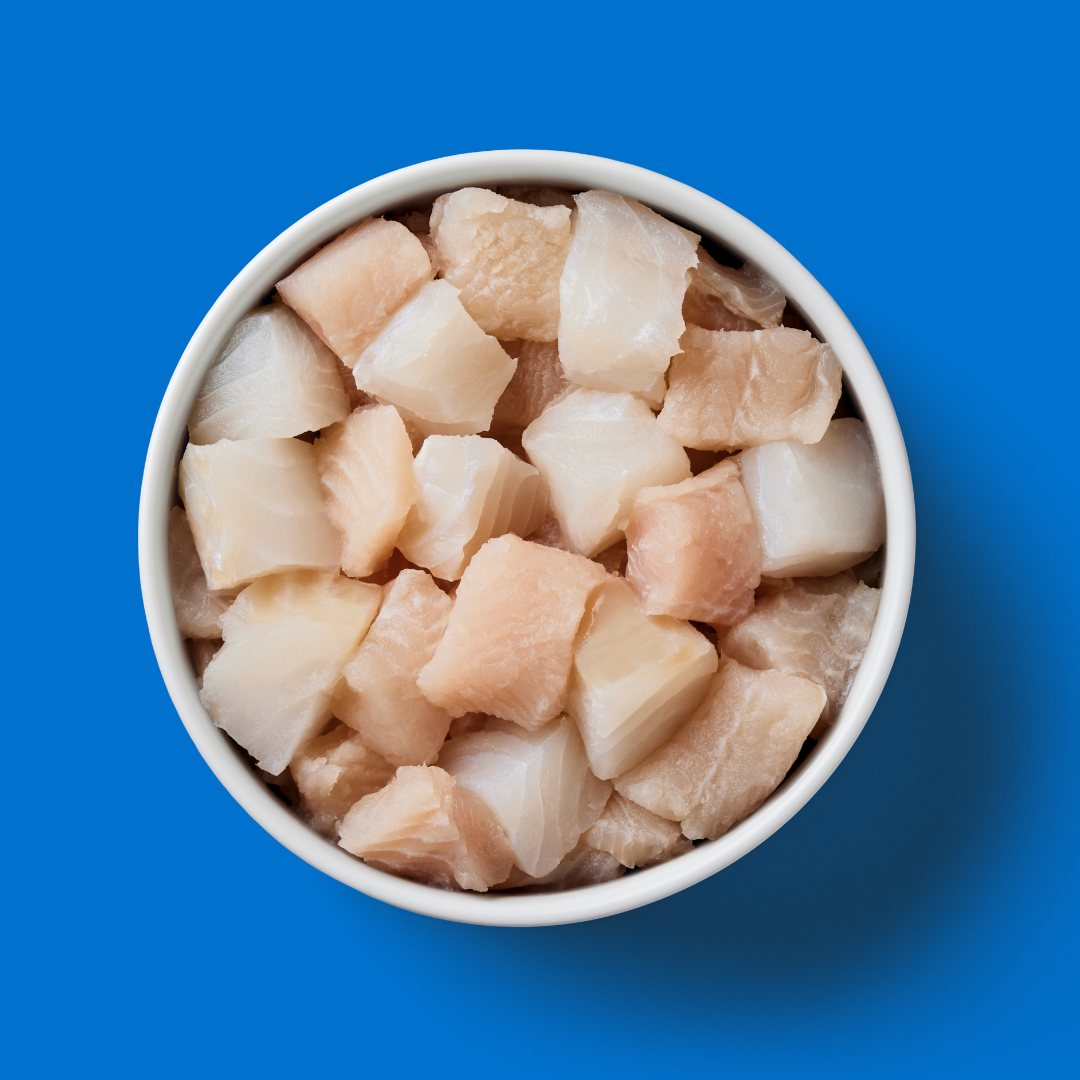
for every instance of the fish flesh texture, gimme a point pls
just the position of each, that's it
(635, 836)
(537, 383)
(818, 508)
(381, 700)
(287, 638)
(720, 298)
(425, 826)
(347, 291)
(506, 257)
(333, 773)
(636, 678)
(198, 607)
(365, 467)
(732, 389)
(621, 294)
(469, 489)
(256, 507)
(596, 451)
(509, 645)
(581, 867)
(693, 550)
(726, 760)
(436, 365)
(273, 379)
(537, 784)
(819, 629)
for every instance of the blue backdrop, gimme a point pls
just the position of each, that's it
(919, 915)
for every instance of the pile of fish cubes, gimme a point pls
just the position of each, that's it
(517, 536)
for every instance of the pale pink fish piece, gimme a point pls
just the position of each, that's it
(621, 295)
(347, 291)
(366, 470)
(273, 379)
(256, 508)
(539, 196)
(509, 646)
(198, 607)
(819, 629)
(537, 383)
(423, 825)
(384, 704)
(333, 773)
(202, 651)
(581, 867)
(506, 257)
(693, 550)
(819, 508)
(726, 760)
(635, 836)
(731, 389)
(537, 784)
(287, 639)
(720, 298)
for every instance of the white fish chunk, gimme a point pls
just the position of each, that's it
(256, 508)
(720, 298)
(273, 379)
(596, 451)
(635, 836)
(287, 638)
(198, 607)
(818, 508)
(581, 867)
(621, 295)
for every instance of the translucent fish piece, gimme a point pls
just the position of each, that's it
(334, 772)
(198, 607)
(537, 784)
(693, 550)
(286, 640)
(256, 508)
(273, 379)
(596, 451)
(365, 466)
(636, 678)
(537, 383)
(581, 867)
(819, 508)
(726, 760)
(509, 646)
(635, 836)
(506, 257)
(425, 826)
(383, 702)
(621, 294)
(436, 365)
(347, 291)
(732, 389)
(720, 298)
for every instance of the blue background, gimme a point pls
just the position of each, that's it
(920, 915)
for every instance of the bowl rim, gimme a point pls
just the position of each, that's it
(687, 206)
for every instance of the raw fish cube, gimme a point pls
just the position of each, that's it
(506, 257)
(198, 608)
(334, 772)
(286, 640)
(635, 836)
(273, 379)
(819, 628)
(580, 868)
(537, 784)
(383, 702)
(366, 470)
(256, 508)
(732, 389)
(635, 679)
(720, 298)
(726, 760)
(693, 549)
(509, 645)
(424, 826)
(539, 196)
(436, 365)
(597, 451)
(819, 508)
(537, 383)
(347, 291)
(621, 294)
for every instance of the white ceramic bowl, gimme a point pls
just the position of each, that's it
(672, 199)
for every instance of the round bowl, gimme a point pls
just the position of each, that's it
(684, 205)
